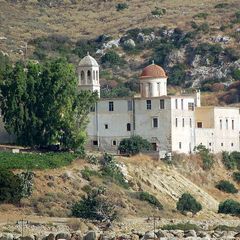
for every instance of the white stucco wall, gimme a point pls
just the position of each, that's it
(222, 136)
(183, 134)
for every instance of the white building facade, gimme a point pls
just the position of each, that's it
(170, 123)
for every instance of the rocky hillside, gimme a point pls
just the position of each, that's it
(55, 191)
(197, 42)
(48, 210)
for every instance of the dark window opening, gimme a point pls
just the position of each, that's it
(110, 107)
(162, 104)
(149, 104)
(155, 122)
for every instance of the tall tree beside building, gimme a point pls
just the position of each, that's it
(41, 104)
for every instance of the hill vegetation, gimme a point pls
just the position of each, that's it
(196, 44)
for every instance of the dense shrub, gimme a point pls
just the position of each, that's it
(112, 58)
(236, 74)
(162, 51)
(87, 173)
(206, 156)
(226, 186)
(236, 177)
(121, 6)
(236, 156)
(159, 11)
(134, 145)
(84, 46)
(187, 203)
(232, 54)
(229, 207)
(145, 196)
(209, 51)
(237, 17)
(10, 187)
(110, 169)
(228, 160)
(54, 43)
(10, 160)
(177, 74)
(95, 206)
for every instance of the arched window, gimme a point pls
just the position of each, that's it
(94, 75)
(149, 89)
(82, 77)
(89, 76)
(97, 76)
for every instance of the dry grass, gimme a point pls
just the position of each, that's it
(22, 22)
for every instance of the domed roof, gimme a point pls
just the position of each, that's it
(88, 61)
(153, 71)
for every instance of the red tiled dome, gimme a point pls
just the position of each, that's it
(153, 71)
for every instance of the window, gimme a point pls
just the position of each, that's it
(210, 144)
(222, 144)
(110, 107)
(106, 126)
(128, 127)
(89, 75)
(176, 103)
(226, 123)
(182, 104)
(199, 124)
(95, 143)
(149, 104)
(232, 124)
(183, 123)
(114, 142)
(149, 89)
(180, 145)
(176, 122)
(162, 104)
(158, 88)
(231, 144)
(191, 106)
(190, 122)
(220, 123)
(155, 122)
(82, 76)
(129, 105)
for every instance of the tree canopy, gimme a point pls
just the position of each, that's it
(41, 105)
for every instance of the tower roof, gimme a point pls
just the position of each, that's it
(153, 71)
(88, 61)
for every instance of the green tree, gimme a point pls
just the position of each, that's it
(95, 206)
(226, 186)
(134, 145)
(112, 58)
(10, 187)
(228, 160)
(145, 196)
(229, 207)
(41, 105)
(206, 156)
(188, 203)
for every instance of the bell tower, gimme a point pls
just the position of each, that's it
(88, 74)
